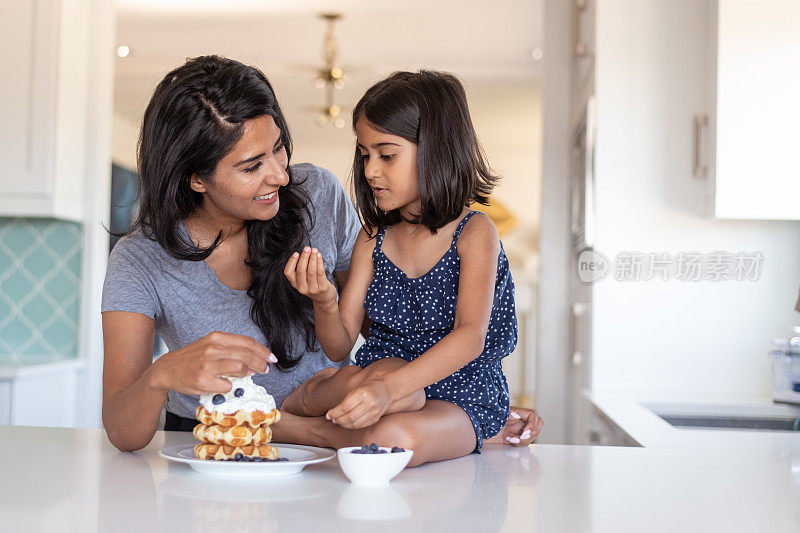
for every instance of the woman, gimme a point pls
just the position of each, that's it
(221, 212)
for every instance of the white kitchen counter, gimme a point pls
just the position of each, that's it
(54, 479)
(630, 413)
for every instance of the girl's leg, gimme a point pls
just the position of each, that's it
(302, 401)
(438, 431)
(314, 431)
(328, 387)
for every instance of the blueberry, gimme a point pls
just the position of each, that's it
(364, 449)
(238, 457)
(283, 458)
(374, 447)
(397, 449)
(357, 451)
(218, 399)
(258, 460)
(238, 392)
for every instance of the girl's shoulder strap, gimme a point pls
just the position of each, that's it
(461, 225)
(379, 237)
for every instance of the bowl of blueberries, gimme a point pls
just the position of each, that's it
(373, 463)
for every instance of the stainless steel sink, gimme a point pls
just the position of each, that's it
(748, 417)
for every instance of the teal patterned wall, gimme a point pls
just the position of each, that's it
(40, 289)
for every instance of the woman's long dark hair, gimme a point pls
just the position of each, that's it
(195, 117)
(428, 108)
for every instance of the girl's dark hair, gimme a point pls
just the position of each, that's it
(195, 117)
(430, 109)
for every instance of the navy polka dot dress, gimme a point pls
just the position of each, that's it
(410, 315)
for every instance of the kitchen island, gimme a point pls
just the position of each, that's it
(57, 479)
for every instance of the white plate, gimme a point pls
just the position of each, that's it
(298, 458)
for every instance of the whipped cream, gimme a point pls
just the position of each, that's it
(254, 398)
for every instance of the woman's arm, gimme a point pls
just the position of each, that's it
(478, 249)
(337, 323)
(131, 401)
(135, 388)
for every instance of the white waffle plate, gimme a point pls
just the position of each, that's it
(298, 458)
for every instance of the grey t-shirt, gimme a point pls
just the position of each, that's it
(188, 301)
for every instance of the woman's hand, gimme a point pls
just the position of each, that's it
(306, 273)
(523, 426)
(363, 406)
(198, 367)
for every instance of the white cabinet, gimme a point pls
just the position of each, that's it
(602, 431)
(755, 112)
(40, 395)
(43, 102)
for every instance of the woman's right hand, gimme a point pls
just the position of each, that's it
(198, 367)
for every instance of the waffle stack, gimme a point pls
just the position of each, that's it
(237, 436)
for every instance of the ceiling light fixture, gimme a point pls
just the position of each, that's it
(123, 51)
(331, 75)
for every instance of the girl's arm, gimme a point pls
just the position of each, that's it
(337, 324)
(478, 249)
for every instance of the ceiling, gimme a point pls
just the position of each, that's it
(477, 40)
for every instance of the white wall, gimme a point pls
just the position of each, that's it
(554, 267)
(99, 17)
(673, 336)
(508, 119)
(72, 102)
(124, 136)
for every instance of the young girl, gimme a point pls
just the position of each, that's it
(430, 273)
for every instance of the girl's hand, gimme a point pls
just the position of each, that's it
(523, 426)
(198, 367)
(306, 273)
(363, 407)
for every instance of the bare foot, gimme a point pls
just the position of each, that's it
(295, 403)
(522, 427)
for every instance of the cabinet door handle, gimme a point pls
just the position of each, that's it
(580, 47)
(700, 169)
(578, 309)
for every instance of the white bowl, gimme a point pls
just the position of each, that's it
(372, 467)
